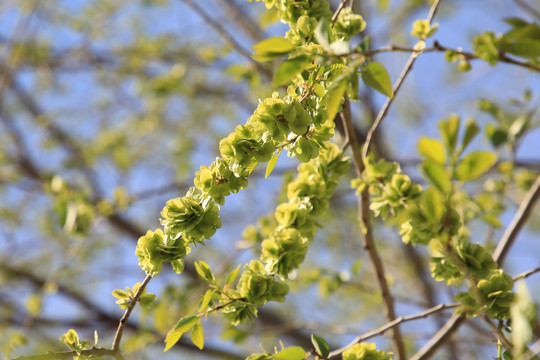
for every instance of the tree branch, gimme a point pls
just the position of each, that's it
(228, 37)
(519, 220)
(408, 67)
(398, 321)
(70, 354)
(123, 321)
(368, 241)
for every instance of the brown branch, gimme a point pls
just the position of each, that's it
(228, 37)
(528, 8)
(340, 7)
(406, 70)
(123, 321)
(368, 241)
(71, 354)
(502, 248)
(519, 220)
(526, 274)
(400, 320)
(437, 47)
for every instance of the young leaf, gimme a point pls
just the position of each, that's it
(333, 99)
(449, 132)
(471, 130)
(271, 49)
(292, 353)
(206, 300)
(320, 345)
(288, 69)
(474, 165)
(432, 149)
(376, 77)
(204, 271)
(274, 44)
(436, 174)
(232, 275)
(183, 325)
(197, 335)
(271, 164)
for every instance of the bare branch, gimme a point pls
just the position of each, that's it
(70, 354)
(228, 37)
(526, 274)
(123, 321)
(406, 70)
(519, 220)
(368, 241)
(400, 320)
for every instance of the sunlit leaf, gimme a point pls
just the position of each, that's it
(432, 149)
(183, 325)
(197, 336)
(474, 165)
(376, 77)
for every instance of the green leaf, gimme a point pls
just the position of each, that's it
(433, 204)
(271, 49)
(527, 48)
(197, 336)
(288, 69)
(333, 99)
(274, 44)
(432, 149)
(474, 165)
(437, 175)
(206, 300)
(320, 345)
(292, 353)
(204, 271)
(471, 130)
(183, 325)
(376, 77)
(232, 275)
(271, 164)
(449, 132)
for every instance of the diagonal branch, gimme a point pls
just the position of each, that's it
(228, 37)
(368, 241)
(406, 70)
(519, 220)
(502, 248)
(402, 319)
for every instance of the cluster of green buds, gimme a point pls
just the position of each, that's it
(256, 288)
(365, 351)
(155, 248)
(125, 297)
(218, 181)
(496, 297)
(285, 248)
(428, 219)
(390, 189)
(195, 217)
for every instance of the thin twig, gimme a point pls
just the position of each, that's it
(71, 354)
(340, 7)
(123, 321)
(398, 321)
(437, 47)
(228, 37)
(517, 223)
(528, 8)
(368, 241)
(526, 274)
(499, 255)
(406, 70)
(440, 337)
